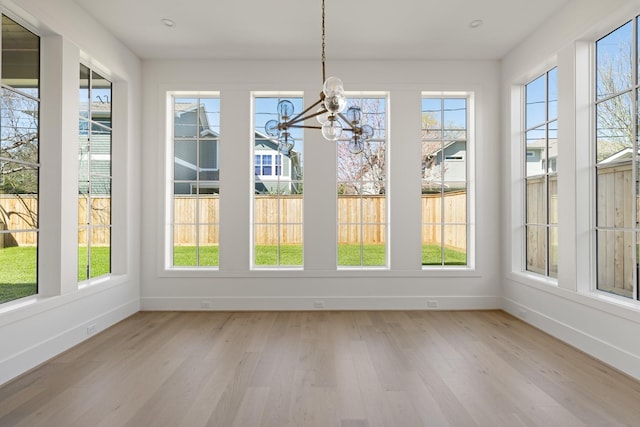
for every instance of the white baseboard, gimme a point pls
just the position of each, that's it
(19, 363)
(321, 303)
(613, 356)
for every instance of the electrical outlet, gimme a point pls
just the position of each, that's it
(318, 304)
(432, 303)
(91, 329)
(206, 304)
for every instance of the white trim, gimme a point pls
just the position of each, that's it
(387, 302)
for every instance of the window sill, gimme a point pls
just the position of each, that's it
(342, 272)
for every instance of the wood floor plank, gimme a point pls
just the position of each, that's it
(343, 368)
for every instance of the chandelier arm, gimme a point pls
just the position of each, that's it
(350, 128)
(305, 127)
(300, 117)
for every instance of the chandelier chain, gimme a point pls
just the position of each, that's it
(323, 45)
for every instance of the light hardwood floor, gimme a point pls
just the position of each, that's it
(348, 369)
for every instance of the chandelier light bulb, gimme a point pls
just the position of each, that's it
(335, 103)
(285, 108)
(286, 142)
(332, 129)
(333, 85)
(367, 132)
(355, 145)
(271, 128)
(323, 116)
(354, 115)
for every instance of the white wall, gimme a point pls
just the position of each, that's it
(404, 285)
(602, 325)
(34, 329)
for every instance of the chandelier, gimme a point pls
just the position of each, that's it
(328, 110)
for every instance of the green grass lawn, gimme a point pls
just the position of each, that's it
(20, 279)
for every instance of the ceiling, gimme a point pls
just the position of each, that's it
(291, 29)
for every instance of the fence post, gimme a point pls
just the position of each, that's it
(3, 227)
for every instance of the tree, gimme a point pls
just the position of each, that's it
(365, 173)
(615, 123)
(18, 153)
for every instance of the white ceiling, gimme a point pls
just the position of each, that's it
(291, 29)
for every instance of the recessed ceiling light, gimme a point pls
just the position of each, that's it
(476, 23)
(168, 22)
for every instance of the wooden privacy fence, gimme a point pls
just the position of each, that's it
(188, 211)
(288, 210)
(615, 209)
(20, 213)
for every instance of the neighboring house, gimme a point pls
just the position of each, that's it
(275, 169)
(454, 156)
(200, 168)
(537, 157)
(98, 162)
(624, 155)
(195, 167)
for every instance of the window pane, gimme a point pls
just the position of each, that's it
(84, 91)
(537, 249)
(100, 251)
(184, 245)
(19, 127)
(349, 245)
(208, 255)
(185, 118)
(614, 62)
(432, 119)
(444, 175)
(374, 245)
(455, 244)
(616, 262)
(455, 161)
(553, 252)
(432, 244)
(19, 157)
(536, 109)
(266, 250)
(614, 197)
(536, 201)
(278, 174)
(455, 119)
(553, 199)
(208, 160)
(100, 99)
(614, 133)
(18, 265)
(536, 154)
(185, 160)
(184, 209)
(454, 203)
(552, 148)
(552, 82)
(94, 174)
(18, 196)
(20, 58)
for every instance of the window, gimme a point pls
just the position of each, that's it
(362, 191)
(196, 181)
(616, 161)
(444, 180)
(19, 161)
(264, 165)
(278, 188)
(94, 175)
(541, 179)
